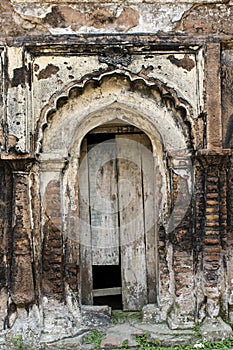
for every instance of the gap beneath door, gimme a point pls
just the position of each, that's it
(107, 286)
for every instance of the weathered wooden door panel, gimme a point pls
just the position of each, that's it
(149, 215)
(103, 203)
(120, 190)
(84, 229)
(131, 217)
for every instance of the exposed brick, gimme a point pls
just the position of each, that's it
(212, 250)
(211, 241)
(208, 19)
(212, 196)
(52, 263)
(212, 217)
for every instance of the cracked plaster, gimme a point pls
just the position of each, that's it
(179, 72)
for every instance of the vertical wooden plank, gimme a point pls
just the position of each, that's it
(149, 215)
(84, 229)
(103, 203)
(134, 284)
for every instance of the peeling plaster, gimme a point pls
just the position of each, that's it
(57, 18)
(207, 18)
(104, 18)
(47, 72)
(185, 63)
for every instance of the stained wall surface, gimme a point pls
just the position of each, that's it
(72, 69)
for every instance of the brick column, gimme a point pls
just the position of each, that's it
(21, 276)
(181, 236)
(214, 235)
(36, 227)
(53, 240)
(229, 246)
(199, 229)
(5, 223)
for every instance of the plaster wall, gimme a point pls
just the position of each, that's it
(67, 67)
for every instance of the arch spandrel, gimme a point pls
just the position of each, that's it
(163, 117)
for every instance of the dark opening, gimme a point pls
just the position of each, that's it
(107, 276)
(114, 301)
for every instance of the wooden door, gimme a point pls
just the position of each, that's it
(131, 217)
(103, 202)
(120, 188)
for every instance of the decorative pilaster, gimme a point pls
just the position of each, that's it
(22, 287)
(5, 222)
(36, 227)
(214, 229)
(52, 245)
(181, 236)
(199, 229)
(229, 248)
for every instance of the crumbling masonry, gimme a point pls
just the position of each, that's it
(76, 75)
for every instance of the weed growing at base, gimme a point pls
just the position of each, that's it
(94, 337)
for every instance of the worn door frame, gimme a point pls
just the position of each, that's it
(149, 240)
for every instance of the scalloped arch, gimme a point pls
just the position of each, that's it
(168, 97)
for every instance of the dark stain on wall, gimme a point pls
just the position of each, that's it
(185, 63)
(2, 215)
(21, 77)
(47, 72)
(97, 17)
(55, 18)
(228, 138)
(227, 97)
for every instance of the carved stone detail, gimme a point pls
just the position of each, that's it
(115, 56)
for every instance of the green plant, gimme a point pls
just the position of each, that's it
(196, 329)
(18, 343)
(143, 341)
(119, 316)
(143, 344)
(125, 345)
(156, 342)
(94, 337)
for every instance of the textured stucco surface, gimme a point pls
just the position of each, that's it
(69, 67)
(20, 18)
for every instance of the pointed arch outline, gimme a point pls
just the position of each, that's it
(76, 88)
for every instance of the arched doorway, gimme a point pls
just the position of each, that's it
(118, 246)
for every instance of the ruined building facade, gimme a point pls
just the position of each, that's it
(115, 158)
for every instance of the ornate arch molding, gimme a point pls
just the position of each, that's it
(109, 114)
(151, 88)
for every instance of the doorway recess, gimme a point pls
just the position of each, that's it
(118, 267)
